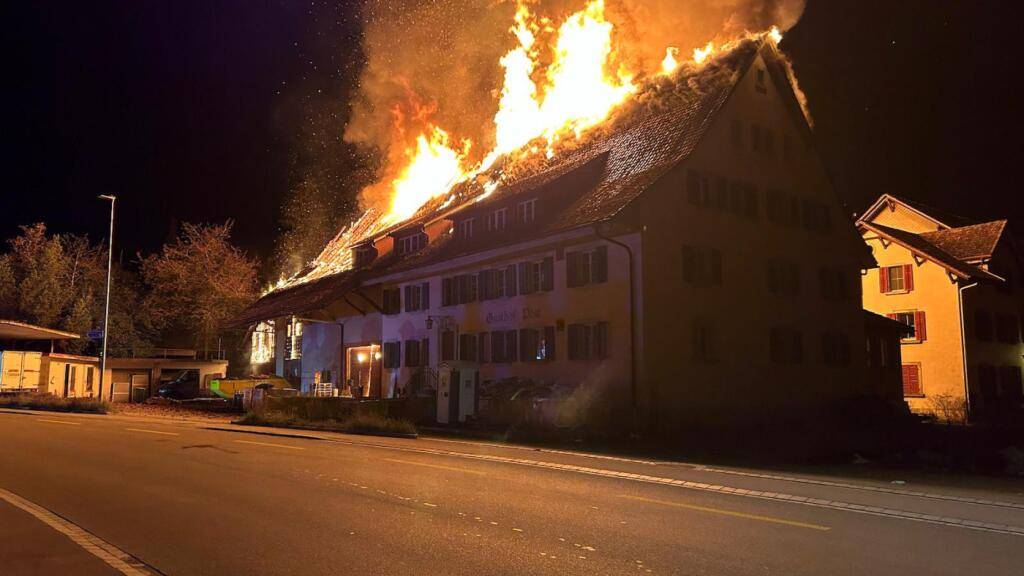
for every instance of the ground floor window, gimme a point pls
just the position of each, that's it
(468, 347)
(537, 344)
(504, 346)
(912, 380)
(588, 341)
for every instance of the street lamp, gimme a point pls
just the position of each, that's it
(106, 308)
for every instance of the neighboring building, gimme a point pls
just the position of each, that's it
(958, 285)
(69, 375)
(25, 355)
(883, 376)
(136, 379)
(693, 266)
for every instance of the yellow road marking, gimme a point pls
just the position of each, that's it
(269, 444)
(771, 519)
(151, 431)
(438, 466)
(60, 422)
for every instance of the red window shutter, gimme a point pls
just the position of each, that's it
(919, 326)
(908, 276)
(891, 316)
(883, 280)
(911, 380)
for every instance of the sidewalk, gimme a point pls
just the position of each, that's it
(28, 547)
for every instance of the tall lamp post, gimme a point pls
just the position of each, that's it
(106, 308)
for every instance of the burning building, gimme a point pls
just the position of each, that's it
(679, 257)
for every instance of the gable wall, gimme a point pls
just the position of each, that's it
(904, 218)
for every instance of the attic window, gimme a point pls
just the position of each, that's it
(363, 255)
(526, 211)
(412, 243)
(761, 83)
(465, 228)
(497, 221)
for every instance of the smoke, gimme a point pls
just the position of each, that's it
(437, 61)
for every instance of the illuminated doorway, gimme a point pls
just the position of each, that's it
(362, 371)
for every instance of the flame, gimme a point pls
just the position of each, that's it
(670, 63)
(701, 54)
(578, 92)
(775, 34)
(434, 167)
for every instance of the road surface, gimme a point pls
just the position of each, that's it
(181, 498)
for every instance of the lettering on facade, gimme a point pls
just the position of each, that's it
(503, 316)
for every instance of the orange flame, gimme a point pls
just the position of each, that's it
(670, 63)
(700, 55)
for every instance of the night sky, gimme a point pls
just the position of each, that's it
(193, 110)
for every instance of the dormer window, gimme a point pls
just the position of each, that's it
(411, 243)
(497, 221)
(363, 255)
(526, 211)
(465, 228)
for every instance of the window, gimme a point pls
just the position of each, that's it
(467, 347)
(497, 221)
(503, 346)
(447, 346)
(293, 344)
(1010, 382)
(750, 209)
(915, 319)
(783, 278)
(392, 355)
(417, 297)
(816, 216)
(1008, 329)
(833, 284)
(482, 346)
(465, 228)
(835, 349)
(896, 279)
(785, 345)
(912, 380)
(363, 255)
(262, 343)
(461, 289)
(411, 243)
(702, 342)
(586, 267)
(737, 133)
(588, 341)
(89, 376)
(537, 276)
(497, 283)
(536, 344)
(761, 81)
(698, 188)
(391, 301)
(983, 325)
(702, 266)
(526, 211)
(783, 209)
(417, 353)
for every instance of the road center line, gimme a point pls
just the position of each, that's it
(269, 444)
(757, 517)
(151, 431)
(60, 422)
(438, 466)
(116, 558)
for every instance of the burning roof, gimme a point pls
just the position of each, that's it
(620, 159)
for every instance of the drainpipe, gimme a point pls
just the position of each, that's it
(632, 323)
(963, 346)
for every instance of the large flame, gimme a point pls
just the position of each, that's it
(579, 90)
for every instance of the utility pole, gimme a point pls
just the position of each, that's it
(106, 308)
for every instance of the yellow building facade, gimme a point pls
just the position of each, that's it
(958, 286)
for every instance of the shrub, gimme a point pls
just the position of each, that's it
(54, 403)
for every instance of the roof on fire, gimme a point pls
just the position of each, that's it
(618, 163)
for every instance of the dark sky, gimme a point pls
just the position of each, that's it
(188, 109)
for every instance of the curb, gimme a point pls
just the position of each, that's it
(307, 437)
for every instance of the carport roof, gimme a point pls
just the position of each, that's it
(14, 330)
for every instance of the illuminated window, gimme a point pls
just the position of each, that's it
(293, 344)
(262, 343)
(537, 344)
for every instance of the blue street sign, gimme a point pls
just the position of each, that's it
(94, 334)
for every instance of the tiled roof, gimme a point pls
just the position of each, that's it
(969, 243)
(637, 148)
(923, 247)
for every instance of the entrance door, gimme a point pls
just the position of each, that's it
(454, 392)
(67, 379)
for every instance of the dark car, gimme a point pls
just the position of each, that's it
(184, 387)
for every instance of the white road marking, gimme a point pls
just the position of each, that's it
(60, 422)
(274, 446)
(151, 431)
(116, 558)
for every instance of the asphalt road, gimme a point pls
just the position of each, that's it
(186, 499)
